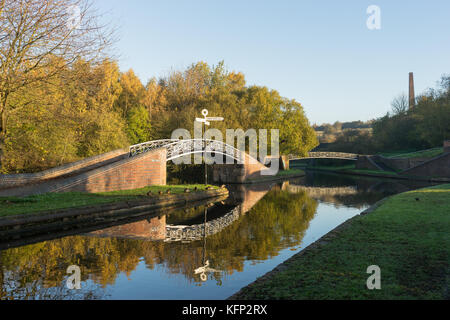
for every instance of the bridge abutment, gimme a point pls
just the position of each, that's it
(125, 174)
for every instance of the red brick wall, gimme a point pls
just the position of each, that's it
(253, 168)
(437, 167)
(131, 173)
(11, 180)
(238, 173)
(363, 162)
(447, 146)
(153, 229)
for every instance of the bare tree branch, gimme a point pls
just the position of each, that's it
(36, 33)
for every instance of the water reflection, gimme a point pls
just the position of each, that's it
(205, 243)
(205, 269)
(350, 191)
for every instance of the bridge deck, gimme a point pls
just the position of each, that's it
(327, 155)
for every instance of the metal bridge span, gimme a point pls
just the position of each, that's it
(327, 155)
(177, 148)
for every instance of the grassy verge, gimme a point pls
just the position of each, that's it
(430, 153)
(335, 168)
(408, 237)
(290, 172)
(373, 172)
(53, 201)
(351, 168)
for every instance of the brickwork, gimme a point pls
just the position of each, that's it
(12, 180)
(447, 146)
(132, 173)
(129, 173)
(437, 167)
(400, 163)
(238, 173)
(151, 229)
(364, 162)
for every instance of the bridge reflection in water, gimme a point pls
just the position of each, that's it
(255, 224)
(242, 199)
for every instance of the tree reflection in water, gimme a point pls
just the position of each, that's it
(267, 222)
(277, 221)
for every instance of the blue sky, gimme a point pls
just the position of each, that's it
(320, 53)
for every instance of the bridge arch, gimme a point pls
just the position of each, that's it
(196, 232)
(247, 167)
(177, 148)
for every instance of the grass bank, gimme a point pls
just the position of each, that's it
(407, 236)
(351, 169)
(290, 172)
(53, 201)
(429, 153)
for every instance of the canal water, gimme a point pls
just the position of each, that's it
(205, 252)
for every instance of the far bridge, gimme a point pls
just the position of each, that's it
(327, 155)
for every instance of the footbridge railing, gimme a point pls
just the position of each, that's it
(327, 155)
(199, 231)
(178, 148)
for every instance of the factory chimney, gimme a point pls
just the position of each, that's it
(412, 98)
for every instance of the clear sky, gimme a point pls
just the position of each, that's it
(320, 53)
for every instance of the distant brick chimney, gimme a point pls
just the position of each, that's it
(412, 97)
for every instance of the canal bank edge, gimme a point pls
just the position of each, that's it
(324, 239)
(275, 177)
(381, 175)
(131, 206)
(243, 293)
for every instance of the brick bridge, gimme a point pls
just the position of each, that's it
(132, 168)
(157, 229)
(243, 198)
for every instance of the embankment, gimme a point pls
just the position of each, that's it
(407, 236)
(31, 224)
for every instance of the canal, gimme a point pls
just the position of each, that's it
(205, 252)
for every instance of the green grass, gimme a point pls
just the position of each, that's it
(290, 172)
(430, 153)
(53, 201)
(408, 237)
(423, 154)
(345, 167)
(373, 171)
(389, 154)
(351, 169)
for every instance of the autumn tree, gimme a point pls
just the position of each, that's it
(68, 117)
(225, 94)
(133, 93)
(138, 125)
(33, 33)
